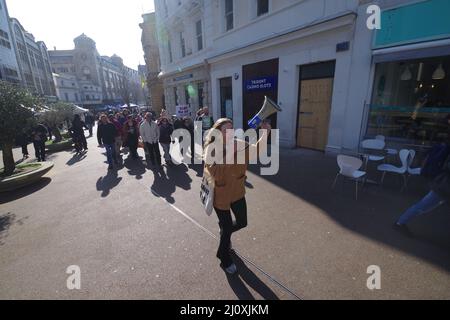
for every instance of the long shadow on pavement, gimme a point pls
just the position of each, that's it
(77, 158)
(25, 191)
(135, 167)
(244, 274)
(6, 221)
(179, 175)
(163, 186)
(108, 182)
(310, 176)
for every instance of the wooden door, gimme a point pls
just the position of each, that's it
(314, 113)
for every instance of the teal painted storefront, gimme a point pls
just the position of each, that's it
(417, 22)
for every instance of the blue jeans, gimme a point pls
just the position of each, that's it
(430, 202)
(110, 153)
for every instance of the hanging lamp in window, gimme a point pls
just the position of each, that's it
(439, 73)
(406, 75)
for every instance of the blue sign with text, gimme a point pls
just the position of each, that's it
(261, 84)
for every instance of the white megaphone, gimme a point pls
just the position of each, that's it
(269, 107)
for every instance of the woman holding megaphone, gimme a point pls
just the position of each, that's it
(229, 181)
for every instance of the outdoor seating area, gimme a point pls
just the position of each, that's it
(374, 160)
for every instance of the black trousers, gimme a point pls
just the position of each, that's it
(25, 149)
(39, 149)
(227, 227)
(153, 152)
(132, 142)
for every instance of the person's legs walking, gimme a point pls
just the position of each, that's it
(83, 141)
(226, 226)
(37, 150)
(427, 204)
(239, 209)
(151, 153)
(117, 146)
(25, 150)
(110, 154)
(166, 148)
(157, 153)
(42, 147)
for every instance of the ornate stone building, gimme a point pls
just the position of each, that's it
(102, 80)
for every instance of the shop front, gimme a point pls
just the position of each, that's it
(187, 89)
(410, 102)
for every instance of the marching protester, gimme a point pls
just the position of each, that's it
(189, 126)
(229, 183)
(149, 132)
(165, 138)
(39, 136)
(106, 135)
(131, 136)
(90, 121)
(206, 119)
(77, 131)
(119, 133)
(22, 140)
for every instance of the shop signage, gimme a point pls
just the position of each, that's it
(261, 84)
(417, 22)
(343, 46)
(185, 77)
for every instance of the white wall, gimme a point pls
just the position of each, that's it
(292, 54)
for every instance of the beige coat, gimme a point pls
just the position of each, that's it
(229, 179)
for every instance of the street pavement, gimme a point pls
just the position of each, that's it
(138, 233)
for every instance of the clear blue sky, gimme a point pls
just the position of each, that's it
(113, 24)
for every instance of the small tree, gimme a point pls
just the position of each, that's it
(59, 113)
(16, 115)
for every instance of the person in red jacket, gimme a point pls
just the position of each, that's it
(119, 133)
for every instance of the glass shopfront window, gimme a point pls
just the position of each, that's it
(411, 100)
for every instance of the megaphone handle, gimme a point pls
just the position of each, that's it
(255, 122)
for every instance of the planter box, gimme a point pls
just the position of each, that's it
(60, 146)
(22, 180)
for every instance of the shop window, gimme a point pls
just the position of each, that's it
(411, 100)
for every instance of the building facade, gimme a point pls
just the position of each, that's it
(337, 80)
(9, 68)
(67, 88)
(101, 80)
(33, 62)
(183, 33)
(23, 60)
(152, 62)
